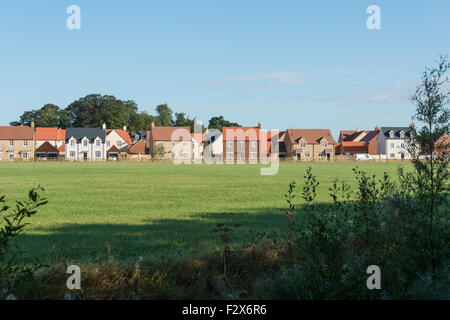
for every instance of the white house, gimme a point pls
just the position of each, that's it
(213, 145)
(392, 142)
(117, 141)
(86, 144)
(197, 146)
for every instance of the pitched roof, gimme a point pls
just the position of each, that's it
(312, 136)
(351, 146)
(62, 149)
(199, 137)
(243, 134)
(171, 133)
(125, 135)
(16, 133)
(46, 147)
(358, 135)
(51, 134)
(90, 133)
(113, 149)
(137, 148)
(396, 130)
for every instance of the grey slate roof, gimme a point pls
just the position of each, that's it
(90, 133)
(385, 131)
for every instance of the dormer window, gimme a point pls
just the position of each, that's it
(11, 143)
(72, 143)
(391, 134)
(402, 134)
(302, 144)
(85, 143)
(324, 144)
(97, 143)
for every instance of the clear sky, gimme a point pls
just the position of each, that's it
(302, 64)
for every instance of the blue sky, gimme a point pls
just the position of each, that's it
(302, 64)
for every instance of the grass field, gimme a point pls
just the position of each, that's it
(154, 209)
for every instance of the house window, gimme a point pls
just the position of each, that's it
(303, 144)
(213, 138)
(97, 143)
(162, 144)
(72, 143)
(242, 143)
(0, 155)
(172, 144)
(230, 144)
(108, 143)
(230, 155)
(253, 144)
(320, 155)
(25, 155)
(185, 144)
(392, 145)
(253, 155)
(402, 145)
(98, 154)
(72, 153)
(306, 155)
(85, 143)
(324, 144)
(185, 155)
(11, 143)
(161, 154)
(119, 143)
(392, 155)
(25, 143)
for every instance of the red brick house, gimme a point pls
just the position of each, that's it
(243, 144)
(357, 141)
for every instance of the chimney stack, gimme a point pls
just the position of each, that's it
(124, 128)
(104, 126)
(412, 124)
(377, 128)
(153, 124)
(259, 125)
(32, 123)
(358, 129)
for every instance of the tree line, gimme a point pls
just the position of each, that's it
(93, 110)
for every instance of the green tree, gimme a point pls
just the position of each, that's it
(428, 183)
(165, 115)
(219, 122)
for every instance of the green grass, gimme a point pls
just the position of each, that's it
(155, 210)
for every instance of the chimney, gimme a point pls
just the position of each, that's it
(124, 128)
(153, 124)
(104, 126)
(259, 125)
(412, 124)
(32, 123)
(377, 128)
(358, 129)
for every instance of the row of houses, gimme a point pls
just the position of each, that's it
(232, 144)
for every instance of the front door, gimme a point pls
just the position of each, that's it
(84, 155)
(11, 156)
(328, 156)
(402, 155)
(172, 155)
(299, 156)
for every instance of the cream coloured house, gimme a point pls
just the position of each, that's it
(16, 143)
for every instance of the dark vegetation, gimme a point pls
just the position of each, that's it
(93, 110)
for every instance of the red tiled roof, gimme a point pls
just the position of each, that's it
(137, 148)
(50, 134)
(312, 136)
(243, 134)
(198, 136)
(171, 133)
(16, 133)
(125, 135)
(351, 135)
(351, 146)
(62, 149)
